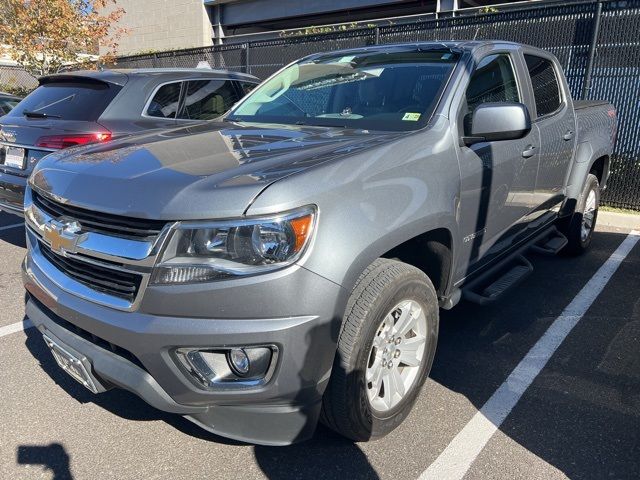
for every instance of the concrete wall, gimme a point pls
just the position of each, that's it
(156, 25)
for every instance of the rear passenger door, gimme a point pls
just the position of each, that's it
(554, 118)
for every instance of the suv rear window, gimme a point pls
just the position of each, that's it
(68, 100)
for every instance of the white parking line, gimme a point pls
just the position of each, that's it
(15, 225)
(15, 327)
(456, 459)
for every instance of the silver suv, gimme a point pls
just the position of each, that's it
(77, 108)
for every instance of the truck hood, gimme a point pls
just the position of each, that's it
(210, 170)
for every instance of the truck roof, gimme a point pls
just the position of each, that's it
(464, 45)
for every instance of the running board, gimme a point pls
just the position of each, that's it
(489, 288)
(551, 245)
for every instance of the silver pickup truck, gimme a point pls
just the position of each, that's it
(287, 263)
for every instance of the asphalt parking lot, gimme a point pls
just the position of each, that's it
(579, 418)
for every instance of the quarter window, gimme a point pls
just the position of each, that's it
(544, 81)
(208, 99)
(492, 81)
(164, 103)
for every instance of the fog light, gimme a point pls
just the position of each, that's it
(239, 362)
(224, 367)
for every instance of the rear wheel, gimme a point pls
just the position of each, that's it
(580, 227)
(385, 351)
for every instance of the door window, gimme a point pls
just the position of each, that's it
(208, 99)
(544, 81)
(492, 81)
(164, 103)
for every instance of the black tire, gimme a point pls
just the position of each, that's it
(346, 407)
(578, 243)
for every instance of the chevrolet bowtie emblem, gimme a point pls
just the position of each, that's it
(62, 236)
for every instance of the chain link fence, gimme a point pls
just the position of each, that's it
(570, 30)
(16, 79)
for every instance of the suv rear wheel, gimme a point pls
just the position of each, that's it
(385, 351)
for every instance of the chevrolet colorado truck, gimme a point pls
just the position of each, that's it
(286, 264)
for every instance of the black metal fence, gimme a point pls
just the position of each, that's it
(611, 29)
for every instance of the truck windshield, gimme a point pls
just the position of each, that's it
(395, 90)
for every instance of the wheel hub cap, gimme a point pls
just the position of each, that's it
(396, 355)
(588, 216)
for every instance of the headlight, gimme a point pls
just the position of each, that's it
(202, 252)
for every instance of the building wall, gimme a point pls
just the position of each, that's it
(157, 25)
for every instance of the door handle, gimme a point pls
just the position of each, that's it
(568, 136)
(530, 151)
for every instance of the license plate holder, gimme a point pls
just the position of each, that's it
(14, 157)
(71, 364)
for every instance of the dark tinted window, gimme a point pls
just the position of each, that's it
(492, 81)
(207, 99)
(7, 104)
(69, 100)
(545, 84)
(247, 87)
(164, 103)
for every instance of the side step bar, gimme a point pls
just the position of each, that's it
(552, 244)
(490, 285)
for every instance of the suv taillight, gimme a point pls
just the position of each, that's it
(64, 141)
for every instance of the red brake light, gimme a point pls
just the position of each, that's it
(65, 141)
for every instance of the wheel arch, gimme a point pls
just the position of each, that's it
(431, 250)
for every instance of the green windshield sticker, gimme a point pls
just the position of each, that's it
(411, 117)
(347, 59)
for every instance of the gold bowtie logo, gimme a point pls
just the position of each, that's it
(62, 236)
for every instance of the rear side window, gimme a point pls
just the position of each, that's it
(492, 81)
(208, 99)
(165, 101)
(68, 100)
(544, 81)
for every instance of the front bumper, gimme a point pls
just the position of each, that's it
(253, 311)
(12, 188)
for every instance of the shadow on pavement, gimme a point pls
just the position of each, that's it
(326, 455)
(52, 457)
(582, 413)
(14, 235)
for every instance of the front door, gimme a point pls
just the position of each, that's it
(497, 178)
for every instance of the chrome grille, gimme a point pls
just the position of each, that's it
(105, 223)
(102, 278)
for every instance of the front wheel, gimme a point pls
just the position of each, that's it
(579, 229)
(385, 351)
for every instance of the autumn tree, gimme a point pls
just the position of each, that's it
(44, 35)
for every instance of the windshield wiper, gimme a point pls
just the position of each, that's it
(30, 114)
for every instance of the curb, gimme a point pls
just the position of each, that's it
(628, 221)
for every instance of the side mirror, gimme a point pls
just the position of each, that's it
(498, 121)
